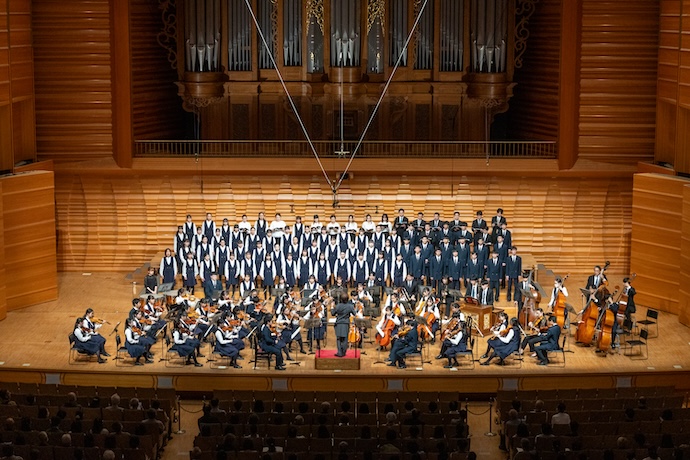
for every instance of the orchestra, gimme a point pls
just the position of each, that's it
(406, 275)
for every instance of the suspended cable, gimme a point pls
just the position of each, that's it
(292, 103)
(383, 93)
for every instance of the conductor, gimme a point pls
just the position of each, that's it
(342, 312)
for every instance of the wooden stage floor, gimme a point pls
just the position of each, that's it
(35, 349)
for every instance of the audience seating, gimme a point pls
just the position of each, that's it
(37, 408)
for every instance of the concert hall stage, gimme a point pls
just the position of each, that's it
(35, 349)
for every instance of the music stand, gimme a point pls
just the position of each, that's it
(361, 324)
(312, 324)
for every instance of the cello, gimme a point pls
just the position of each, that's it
(383, 340)
(559, 306)
(606, 325)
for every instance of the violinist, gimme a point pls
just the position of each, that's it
(185, 343)
(548, 342)
(91, 325)
(226, 338)
(225, 302)
(147, 339)
(454, 343)
(152, 313)
(315, 310)
(268, 341)
(505, 343)
(88, 342)
(203, 314)
(405, 342)
(497, 331)
(289, 328)
(432, 315)
(134, 344)
(538, 325)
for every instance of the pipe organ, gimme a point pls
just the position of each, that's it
(452, 78)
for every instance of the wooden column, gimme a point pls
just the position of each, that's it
(28, 213)
(569, 88)
(684, 292)
(121, 83)
(658, 259)
(3, 278)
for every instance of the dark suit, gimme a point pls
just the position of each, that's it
(267, 341)
(455, 269)
(486, 297)
(470, 288)
(474, 270)
(493, 272)
(482, 256)
(513, 270)
(591, 281)
(342, 313)
(416, 266)
(436, 271)
(404, 346)
(210, 286)
(631, 308)
(548, 342)
(400, 224)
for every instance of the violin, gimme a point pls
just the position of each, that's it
(102, 321)
(451, 329)
(136, 330)
(505, 332)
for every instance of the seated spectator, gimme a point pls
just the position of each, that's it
(259, 407)
(55, 425)
(152, 420)
(71, 400)
(43, 412)
(207, 416)
(546, 432)
(642, 403)
(271, 445)
(538, 406)
(524, 452)
(364, 408)
(561, 417)
(391, 419)
(66, 440)
(114, 402)
(389, 446)
(278, 408)
(414, 418)
(652, 454)
(9, 424)
(325, 408)
(345, 407)
(135, 404)
(6, 398)
(108, 455)
(43, 438)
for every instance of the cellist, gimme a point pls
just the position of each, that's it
(387, 327)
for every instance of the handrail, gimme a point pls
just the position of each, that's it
(328, 149)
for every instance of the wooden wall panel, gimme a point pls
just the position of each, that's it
(3, 282)
(657, 226)
(533, 112)
(684, 291)
(618, 80)
(29, 238)
(157, 110)
(108, 222)
(17, 124)
(73, 79)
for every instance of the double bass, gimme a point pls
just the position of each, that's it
(606, 325)
(559, 306)
(590, 315)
